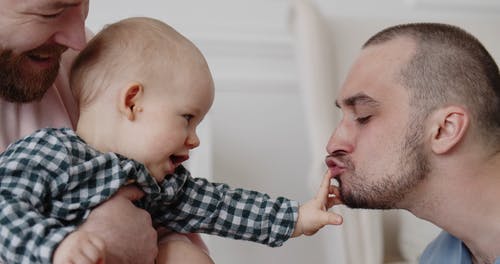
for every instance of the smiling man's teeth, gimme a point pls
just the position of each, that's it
(41, 56)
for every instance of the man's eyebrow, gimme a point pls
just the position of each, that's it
(64, 4)
(358, 99)
(54, 5)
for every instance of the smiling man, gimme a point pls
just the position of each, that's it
(421, 131)
(38, 41)
(34, 65)
(35, 34)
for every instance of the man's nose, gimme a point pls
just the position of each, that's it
(72, 31)
(341, 141)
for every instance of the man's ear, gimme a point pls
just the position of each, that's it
(449, 126)
(129, 104)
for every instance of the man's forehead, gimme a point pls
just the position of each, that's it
(361, 87)
(376, 73)
(47, 4)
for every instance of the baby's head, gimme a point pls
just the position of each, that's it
(142, 89)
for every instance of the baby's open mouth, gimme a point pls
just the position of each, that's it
(178, 159)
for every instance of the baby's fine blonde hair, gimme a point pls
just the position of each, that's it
(136, 48)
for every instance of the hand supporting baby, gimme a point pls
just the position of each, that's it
(117, 230)
(80, 247)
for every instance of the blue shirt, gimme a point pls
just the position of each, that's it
(447, 249)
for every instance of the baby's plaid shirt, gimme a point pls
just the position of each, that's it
(50, 180)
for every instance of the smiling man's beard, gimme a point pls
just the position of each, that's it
(413, 167)
(20, 83)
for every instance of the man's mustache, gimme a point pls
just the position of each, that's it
(48, 49)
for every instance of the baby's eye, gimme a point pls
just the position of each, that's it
(363, 120)
(188, 117)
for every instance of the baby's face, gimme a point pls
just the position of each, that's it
(172, 110)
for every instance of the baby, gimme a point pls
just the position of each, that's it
(142, 89)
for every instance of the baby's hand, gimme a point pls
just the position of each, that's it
(80, 247)
(314, 214)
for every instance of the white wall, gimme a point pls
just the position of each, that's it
(258, 137)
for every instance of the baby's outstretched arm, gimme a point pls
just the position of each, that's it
(314, 214)
(80, 247)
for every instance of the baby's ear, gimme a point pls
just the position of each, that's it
(449, 126)
(129, 104)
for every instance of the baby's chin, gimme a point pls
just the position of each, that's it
(159, 178)
(159, 173)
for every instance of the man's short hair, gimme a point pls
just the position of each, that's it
(449, 66)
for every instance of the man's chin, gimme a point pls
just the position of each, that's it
(28, 85)
(362, 199)
(17, 97)
(26, 78)
(357, 203)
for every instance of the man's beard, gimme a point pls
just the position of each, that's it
(413, 166)
(21, 82)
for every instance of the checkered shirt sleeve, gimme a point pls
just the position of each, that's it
(51, 180)
(215, 208)
(46, 191)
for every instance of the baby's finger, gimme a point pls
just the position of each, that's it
(325, 187)
(333, 218)
(81, 258)
(335, 190)
(94, 251)
(332, 201)
(334, 196)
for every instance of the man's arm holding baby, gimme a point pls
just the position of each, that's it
(126, 230)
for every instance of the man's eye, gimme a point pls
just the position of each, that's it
(51, 16)
(363, 120)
